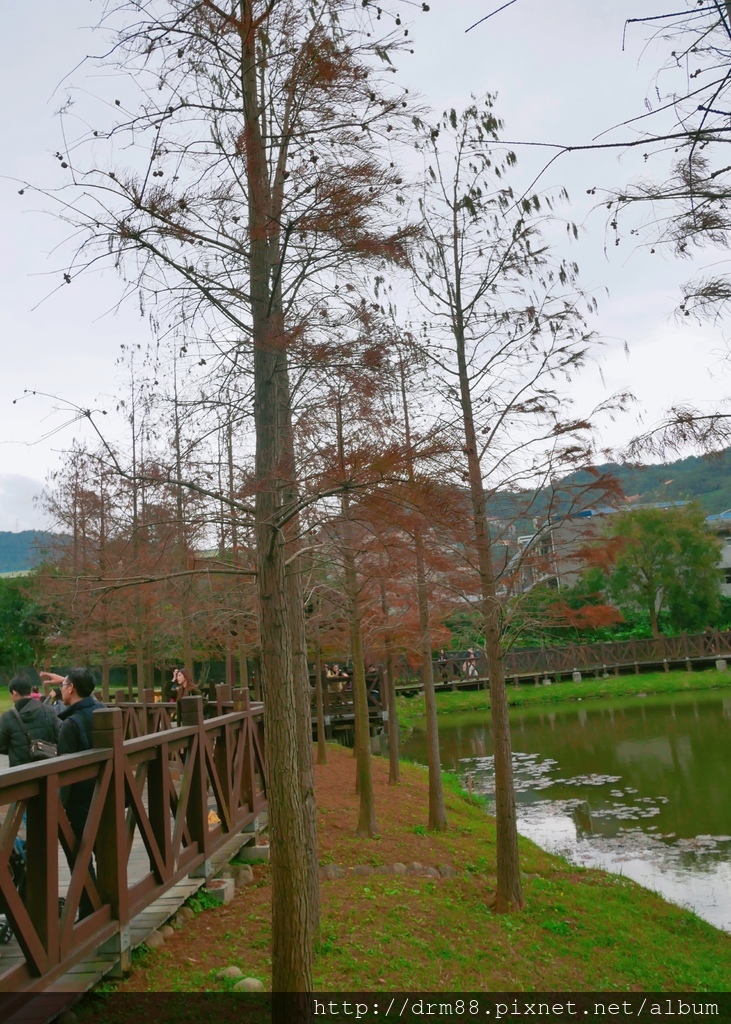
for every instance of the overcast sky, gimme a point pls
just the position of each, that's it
(561, 76)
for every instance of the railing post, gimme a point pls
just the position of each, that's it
(191, 714)
(147, 712)
(111, 842)
(686, 652)
(223, 696)
(42, 866)
(248, 775)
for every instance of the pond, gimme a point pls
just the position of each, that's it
(641, 787)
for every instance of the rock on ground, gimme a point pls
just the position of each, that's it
(244, 875)
(230, 972)
(249, 985)
(154, 940)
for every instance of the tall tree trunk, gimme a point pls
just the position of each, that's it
(241, 650)
(140, 664)
(509, 891)
(228, 668)
(304, 745)
(394, 767)
(182, 527)
(105, 675)
(292, 946)
(321, 744)
(367, 827)
(437, 813)
(653, 618)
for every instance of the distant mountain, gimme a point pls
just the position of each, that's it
(705, 480)
(19, 551)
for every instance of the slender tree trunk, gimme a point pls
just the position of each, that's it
(509, 891)
(394, 767)
(304, 746)
(105, 675)
(140, 664)
(437, 813)
(298, 629)
(321, 744)
(292, 947)
(243, 662)
(367, 827)
(182, 527)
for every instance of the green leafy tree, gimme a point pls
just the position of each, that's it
(665, 560)
(19, 638)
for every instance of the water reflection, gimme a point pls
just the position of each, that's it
(638, 787)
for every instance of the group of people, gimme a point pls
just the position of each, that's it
(62, 722)
(469, 665)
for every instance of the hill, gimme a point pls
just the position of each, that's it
(705, 480)
(20, 551)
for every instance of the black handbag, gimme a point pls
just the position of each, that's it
(40, 750)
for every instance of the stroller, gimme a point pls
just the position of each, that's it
(17, 865)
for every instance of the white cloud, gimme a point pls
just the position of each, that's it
(17, 508)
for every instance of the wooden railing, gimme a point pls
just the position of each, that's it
(145, 716)
(148, 715)
(586, 658)
(155, 786)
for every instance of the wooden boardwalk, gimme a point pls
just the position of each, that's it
(83, 976)
(170, 809)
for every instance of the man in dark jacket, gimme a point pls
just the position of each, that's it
(28, 720)
(77, 693)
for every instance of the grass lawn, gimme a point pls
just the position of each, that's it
(582, 930)
(411, 709)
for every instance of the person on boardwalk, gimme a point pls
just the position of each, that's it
(76, 735)
(183, 686)
(26, 721)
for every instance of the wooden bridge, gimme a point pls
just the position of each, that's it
(338, 704)
(456, 670)
(171, 804)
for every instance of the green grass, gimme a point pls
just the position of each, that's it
(200, 901)
(581, 930)
(411, 709)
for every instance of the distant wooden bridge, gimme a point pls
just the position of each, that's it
(172, 803)
(339, 704)
(457, 670)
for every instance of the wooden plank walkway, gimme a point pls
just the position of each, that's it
(72, 986)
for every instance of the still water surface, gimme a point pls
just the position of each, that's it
(641, 787)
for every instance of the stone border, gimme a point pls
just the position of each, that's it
(331, 872)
